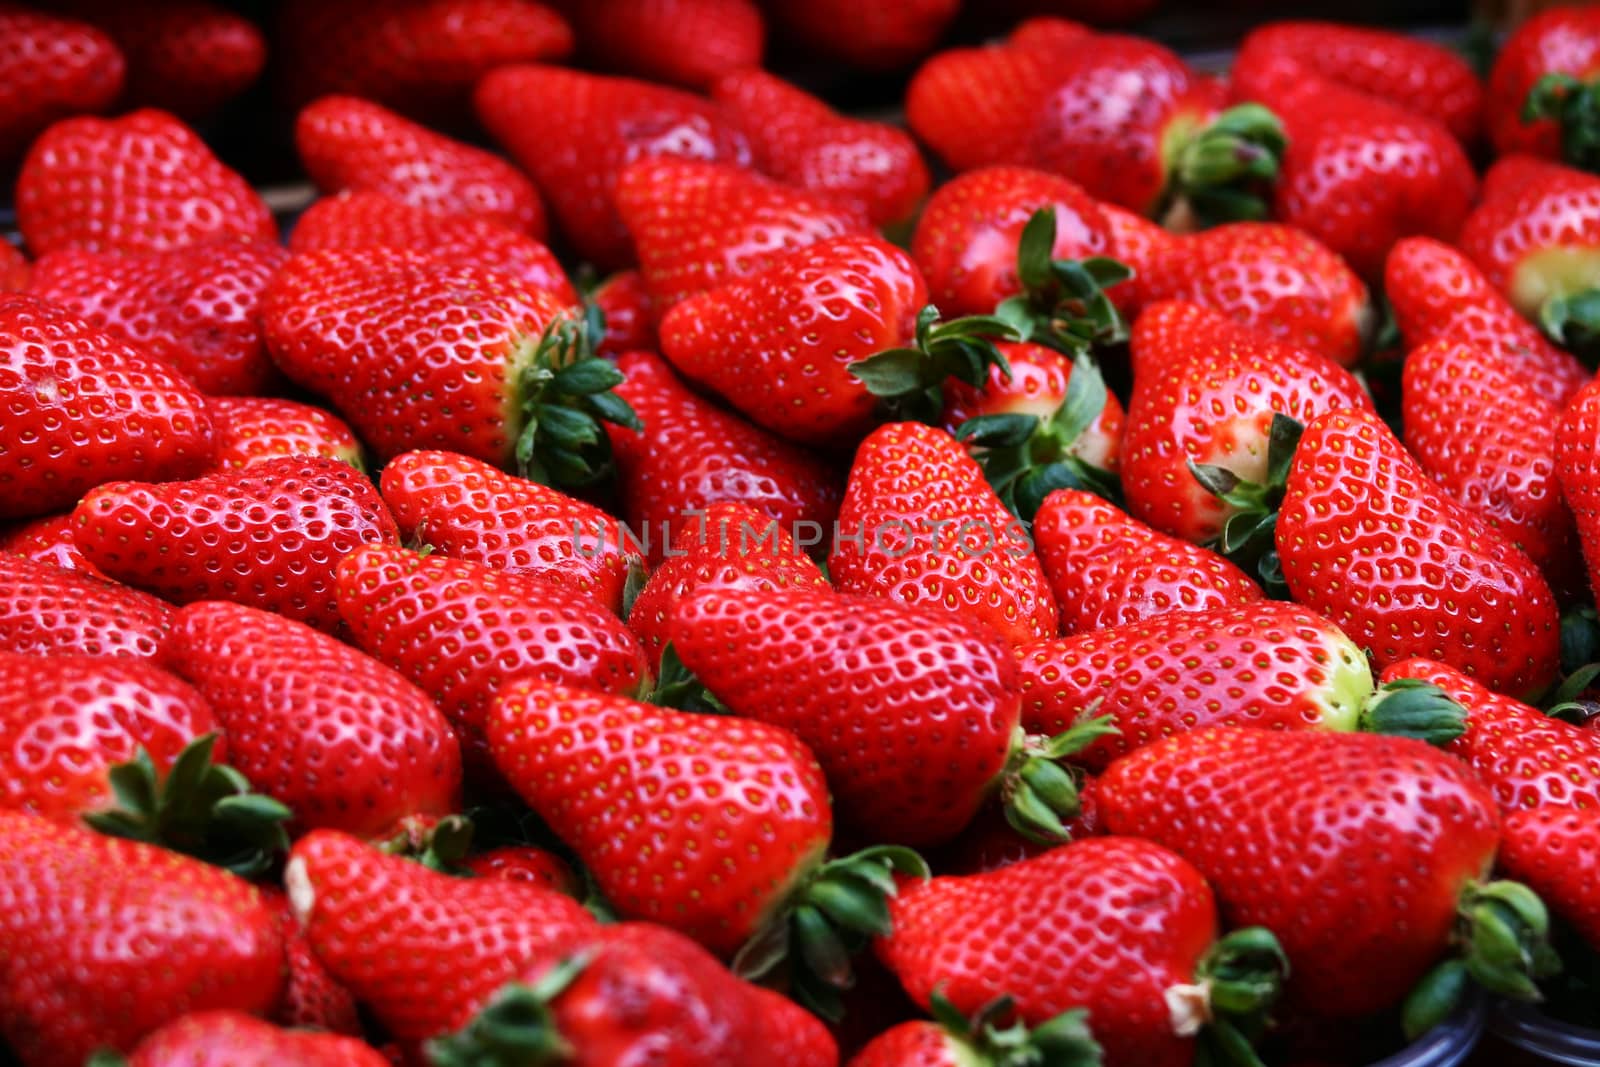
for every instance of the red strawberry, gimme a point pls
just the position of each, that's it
(346, 142)
(692, 454)
(525, 863)
(422, 949)
(48, 540)
(197, 307)
(312, 999)
(468, 510)
(1366, 538)
(920, 524)
(269, 535)
(45, 610)
(83, 408)
(696, 225)
(1133, 939)
(295, 703)
(1557, 854)
(233, 1039)
(368, 218)
(1549, 118)
(575, 132)
(106, 940)
(254, 429)
(955, 1041)
(50, 68)
(682, 42)
(1418, 76)
(140, 183)
(624, 301)
(882, 36)
(1107, 568)
(15, 270)
(872, 167)
(1578, 467)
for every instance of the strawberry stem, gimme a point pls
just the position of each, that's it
(1411, 707)
(439, 844)
(1248, 534)
(909, 381)
(1574, 105)
(1224, 172)
(1064, 1041)
(1063, 304)
(1037, 793)
(517, 1028)
(1572, 320)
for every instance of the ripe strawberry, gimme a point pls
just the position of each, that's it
(269, 535)
(873, 168)
(233, 1039)
(84, 408)
(683, 42)
(1133, 939)
(50, 68)
(468, 510)
(1539, 97)
(419, 352)
(525, 863)
(955, 1041)
(1556, 853)
(421, 949)
(1578, 468)
(47, 610)
(1419, 76)
(48, 540)
(575, 132)
(1363, 534)
(196, 308)
(312, 999)
(696, 225)
(1410, 831)
(368, 218)
(294, 702)
(143, 182)
(254, 429)
(692, 454)
(345, 142)
(106, 940)
(1107, 568)
(884, 36)
(624, 301)
(909, 485)
(15, 270)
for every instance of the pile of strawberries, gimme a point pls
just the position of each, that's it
(1095, 576)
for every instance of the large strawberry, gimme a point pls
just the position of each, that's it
(106, 940)
(881, 36)
(345, 142)
(953, 1040)
(254, 429)
(51, 67)
(681, 42)
(1133, 938)
(1541, 90)
(269, 535)
(144, 182)
(575, 132)
(234, 1039)
(1557, 854)
(83, 408)
(197, 307)
(46, 609)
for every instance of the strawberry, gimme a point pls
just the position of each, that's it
(50, 68)
(421, 949)
(692, 454)
(368, 218)
(196, 308)
(292, 701)
(1418, 76)
(48, 540)
(254, 429)
(468, 510)
(884, 36)
(1540, 100)
(696, 224)
(525, 863)
(420, 352)
(311, 1000)
(1555, 853)
(107, 940)
(1275, 278)
(1107, 568)
(1364, 537)
(1409, 830)
(990, 842)
(269, 535)
(955, 1041)
(575, 132)
(345, 142)
(84, 408)
(233, 1039)
(47, 610)
(15, 270)
(1577, 446)
(873, 168)
(682, 42)
(1133, 941)
(143, 182)
(909, 485)
(624, 302)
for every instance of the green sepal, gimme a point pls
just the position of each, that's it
(517, 1028)
(105, 1057)
(1063, 303)
(1063, 1041)
(1433, 999)
(438, 844)
(677, 687)
(1245, 972)
(633, 583)
(1572, 320)
(1037, 794)
(1411, 707)
(909, 382)
(1503, 930)
(1225, 172)
(1247, 536)
(201, 808)
(1574, 106)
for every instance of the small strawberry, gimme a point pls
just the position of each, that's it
(143, 182)
(1541, 97)
(345, 142)
(233, 1039)
(1556, 853)
(575, 132)
(197, 307)
(953, 1040)
(83, 408)
(253, 429)
(47, 610)
(682, 42)
(51, 67)
(624, 301)
(880, 37)
(525, 863)
(269, 535)
(48, 540)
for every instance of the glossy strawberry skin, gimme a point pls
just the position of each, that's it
(913, 1044)
(143, 182)
(1562, 40)
(1130, 920)
(1578, 468)
(48, 610)
(346, 142)
(1367, 540)
(792, 657)
(630, 315)
(1554, 852)
(269, 535)
(51, 67)
(233, 1039)
(253, 429)
(526, 863)
(681, 42)
(1405, 826)
(106, 940)
(196, 308)
(48, 540)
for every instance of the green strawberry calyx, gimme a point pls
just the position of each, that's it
(676, 686)
(982, 1040)
(1224, 172)
(1236, 983)
(1063, 304)
(832, 914)
(1247, 536)
(1574, 105)
(1026, 458)
(1038, 794)
(909, 381)
(439, 844)
(1411, 707)
(517, 1028)
(200, 808)
(1572, 320)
